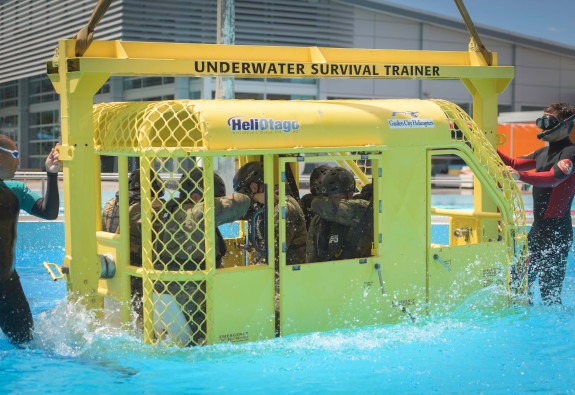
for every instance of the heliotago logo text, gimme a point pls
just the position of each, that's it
(246, 124)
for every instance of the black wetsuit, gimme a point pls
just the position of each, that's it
(551, 234)
(15, 316)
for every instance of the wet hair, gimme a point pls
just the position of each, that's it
(6, 142)
(563, 110)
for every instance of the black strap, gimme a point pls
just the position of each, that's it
(291, 182)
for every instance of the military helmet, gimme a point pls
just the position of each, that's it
(335, 181)
(157, 184)
(248, 173)
(219, 186)
(315, 176)
(192, 182)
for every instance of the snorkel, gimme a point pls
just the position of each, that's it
(550, 124)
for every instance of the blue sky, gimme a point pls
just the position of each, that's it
(547, 19)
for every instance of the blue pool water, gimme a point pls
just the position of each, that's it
(475, 350)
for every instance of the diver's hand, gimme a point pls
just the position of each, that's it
(513, 172)
(53, 162)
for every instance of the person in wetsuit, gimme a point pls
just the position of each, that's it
(15, 316)
(551, 234)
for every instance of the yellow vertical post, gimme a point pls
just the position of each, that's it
(484, 92)
(210, 242)
(146, 164)
(76, 100)
(124, 238)
(270, 205)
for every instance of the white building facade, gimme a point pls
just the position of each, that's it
(30, 29)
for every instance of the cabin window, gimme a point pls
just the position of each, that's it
(461, 209)
(331, 215)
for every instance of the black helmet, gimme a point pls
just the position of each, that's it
(335, 181)
(192, 182)
(315, 176)
(248, 173)
(219, 186)
(157, 184)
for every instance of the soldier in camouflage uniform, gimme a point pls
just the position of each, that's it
(305, 201)
(333, 233)
(182, 247)
(250, 180)
(111, 223)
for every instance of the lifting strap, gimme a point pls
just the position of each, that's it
(86, 34)
(291, 182)
(487, 55)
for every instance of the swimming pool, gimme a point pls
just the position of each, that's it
(475, 350)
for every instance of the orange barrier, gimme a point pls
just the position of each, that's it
(521, 138)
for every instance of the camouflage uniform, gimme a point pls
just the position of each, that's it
(183, 235)
(111, 223)
(182, 247)
(296, 233)
(333, 227)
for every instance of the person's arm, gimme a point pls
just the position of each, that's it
(47, 207)
(344, 211)
(522, 163)
(231, 208)
(550, 179)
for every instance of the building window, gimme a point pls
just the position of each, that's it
(9, 94)
(41, 90)
(9, 121)
(146, 82)
(9, 126)
(272, 96)
(157, 98)
(44, 134)
(104, 89)
(532, 108)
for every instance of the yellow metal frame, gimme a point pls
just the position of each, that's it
(77, 79)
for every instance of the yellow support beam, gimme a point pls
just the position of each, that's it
(133, 58)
